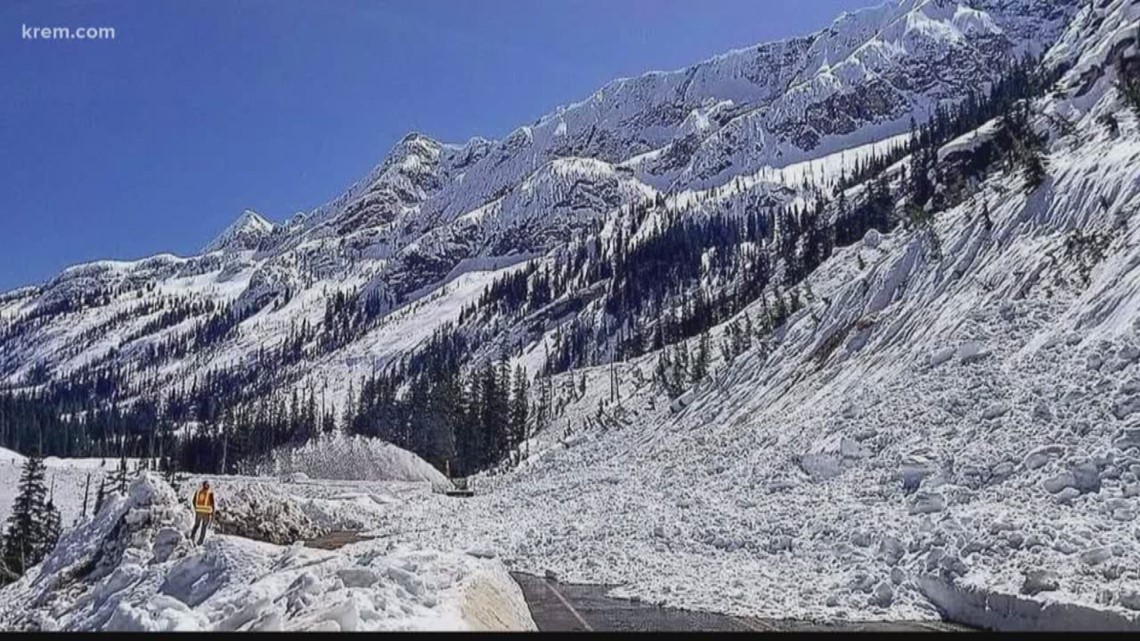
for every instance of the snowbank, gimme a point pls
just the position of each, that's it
(354, 458)
(493, 602)
(130, 568)
(1013, 613)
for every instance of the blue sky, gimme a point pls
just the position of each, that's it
(198, 109)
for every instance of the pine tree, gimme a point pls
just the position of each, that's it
(33, 526)
(520, 408)
(53, 526)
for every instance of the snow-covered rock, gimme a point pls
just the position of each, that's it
(246, 232)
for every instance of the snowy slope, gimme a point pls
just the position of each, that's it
(974, 418)
(430, 211)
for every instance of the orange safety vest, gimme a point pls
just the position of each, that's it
(204, 501)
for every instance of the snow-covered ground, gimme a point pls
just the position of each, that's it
(973, 416)
(970, 413)
(130, 568)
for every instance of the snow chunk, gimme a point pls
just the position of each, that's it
(972, 352)
(941, 356)
(1038, 581)
(872, 239)
(828, 458)
(927, 503)
(996, 410)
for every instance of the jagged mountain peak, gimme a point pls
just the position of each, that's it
(244, 233)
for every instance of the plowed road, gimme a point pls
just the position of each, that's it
(565, 607)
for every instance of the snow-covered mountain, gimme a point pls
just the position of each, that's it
(246, 232)
(432, 216)
(949, 397)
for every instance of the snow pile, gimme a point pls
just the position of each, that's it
(255, 512)
(131, 569)
(354, 458)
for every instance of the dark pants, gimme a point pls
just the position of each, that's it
(200, 519)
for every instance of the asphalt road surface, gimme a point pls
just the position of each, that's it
(561, 607)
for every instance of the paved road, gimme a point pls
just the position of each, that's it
(565, 607)
(337, 539)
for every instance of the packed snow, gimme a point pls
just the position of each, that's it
(354, 458)
(131, 568)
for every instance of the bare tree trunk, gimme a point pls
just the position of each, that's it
(225, 447)
(86, 493)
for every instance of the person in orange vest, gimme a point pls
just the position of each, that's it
(203, 511)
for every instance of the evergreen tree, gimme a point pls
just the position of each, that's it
(520, 408)
(33, 527)
(53, 526)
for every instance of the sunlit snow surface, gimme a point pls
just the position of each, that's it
(131, 568)
(976, 417)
